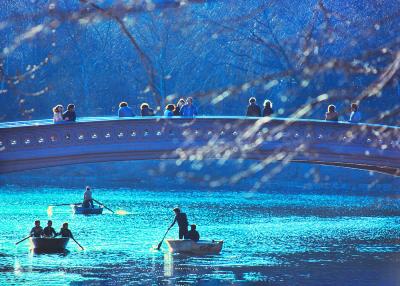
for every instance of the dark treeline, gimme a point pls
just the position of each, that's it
(219, 52)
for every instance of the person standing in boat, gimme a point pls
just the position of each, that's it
(87, 198)
(49, 231)
(65, 232)
(193, 234)
(182, 221)
(37, 230)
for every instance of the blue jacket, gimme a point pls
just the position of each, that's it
(125, 111)
(188, 110)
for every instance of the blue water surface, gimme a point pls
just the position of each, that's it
(269, 238)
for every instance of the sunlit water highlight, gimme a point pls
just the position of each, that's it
(276, 238)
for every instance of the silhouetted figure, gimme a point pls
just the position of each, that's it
(331, 115)
(49, 231)
(169, 110)
(253, 109)
(189, 110)
(145, 110)
(177, 111)
(181, 218)
(267, 111)
(193, 234)
(37, 230)
(87, 198)
(124, 110)
(65, 232)
(57, 114)
(70, 114)
(355, 115)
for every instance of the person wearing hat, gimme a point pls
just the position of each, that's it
(193, 234)
(182, 221)
(49, 231)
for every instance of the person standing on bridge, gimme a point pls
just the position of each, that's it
(87, 198)
(189, 109)
(331, 115)
(178, 107)
(267, 111)
(355, 115)
(70, 114)
(145, 110)
(57, 114)
(253, 109)
(182, 221)
(124, 110)
(169, 110)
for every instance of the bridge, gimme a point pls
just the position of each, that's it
(29, 145)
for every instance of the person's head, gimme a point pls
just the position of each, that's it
(37, 222)
(252, 100)
(354, 107)
(192, 227)
(331, 108)
(189, 100)
(58, 108)
(177, 210)
(65, 225)
(170, 107)
(87, 188)
(144, 106)
(71, 107)
(268, 104)
(49, 223)
(181, 102)
(123, 104)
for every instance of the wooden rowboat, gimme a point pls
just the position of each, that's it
(78, 209)
(190, 246)
(49, 244)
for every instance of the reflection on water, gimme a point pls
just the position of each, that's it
(268, 238)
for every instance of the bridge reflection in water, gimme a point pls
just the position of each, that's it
(38, 144)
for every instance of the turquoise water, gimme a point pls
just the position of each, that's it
(275, 238)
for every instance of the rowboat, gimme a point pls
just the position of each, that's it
(49, 244)
(78, 209)
(190, 246)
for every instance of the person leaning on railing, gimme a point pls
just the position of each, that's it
(331, 115)
(189, 109)
(57, 114)
(124, 110)
(70, 114)
(253, 109)
(355, 115)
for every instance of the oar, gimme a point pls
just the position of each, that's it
(59, 205)
(159, 245)
(22, 240)
(100, 203)
(77, 243)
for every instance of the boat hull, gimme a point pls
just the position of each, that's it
(49, 245)
(87, 211)
(199, 247)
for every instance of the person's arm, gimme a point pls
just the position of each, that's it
(70, 234)
(53, 232)
(173, 223)
(248, 111)
(73, 117)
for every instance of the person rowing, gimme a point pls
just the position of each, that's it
(49, 231)
(87, 198)
(181, 218)
(193, 234)
(37, 230)
(65, 231)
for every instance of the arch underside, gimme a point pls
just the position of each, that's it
(38, 163)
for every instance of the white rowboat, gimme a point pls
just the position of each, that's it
(190, 246)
